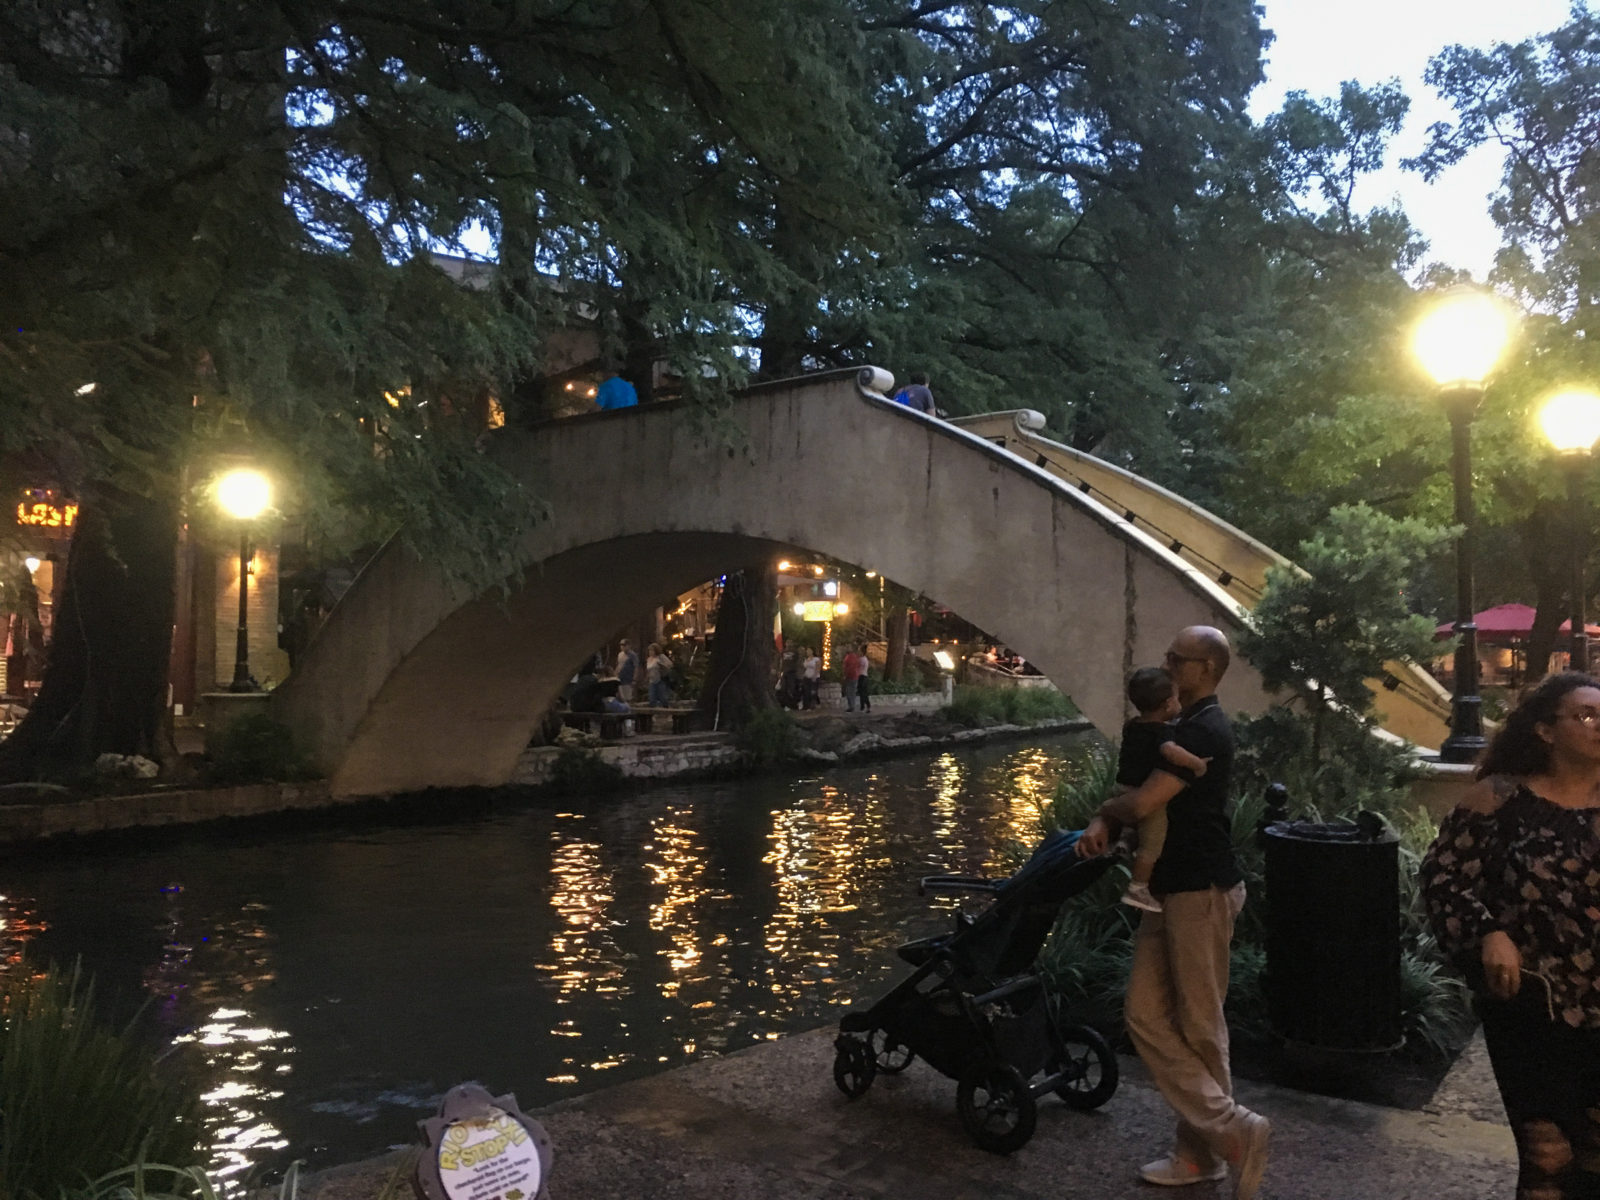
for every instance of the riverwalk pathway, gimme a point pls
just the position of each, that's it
(768, 1124)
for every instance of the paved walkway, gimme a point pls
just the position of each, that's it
(768, 1124)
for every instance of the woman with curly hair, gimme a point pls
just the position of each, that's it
(1512, 886)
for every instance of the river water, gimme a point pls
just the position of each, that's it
(333, 983)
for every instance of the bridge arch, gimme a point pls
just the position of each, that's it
(413, 684)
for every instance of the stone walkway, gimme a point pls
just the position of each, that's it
(767, 1123)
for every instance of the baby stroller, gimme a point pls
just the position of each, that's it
(977, 1012)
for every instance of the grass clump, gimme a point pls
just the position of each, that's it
(79, 1100)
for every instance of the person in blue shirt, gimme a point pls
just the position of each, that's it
(616, 392)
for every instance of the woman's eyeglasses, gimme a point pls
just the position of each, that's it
(1589, 717)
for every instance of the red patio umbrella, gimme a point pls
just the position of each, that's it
(1506, 623)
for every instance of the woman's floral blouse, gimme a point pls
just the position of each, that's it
(1532, 869)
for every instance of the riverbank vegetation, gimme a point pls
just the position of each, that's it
(81, 1099)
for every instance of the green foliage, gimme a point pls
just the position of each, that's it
(255, 748)
(975, 706)
(577, 771)
(1332, 624)
(80, 1100)
(768, 737)
(1327, 630)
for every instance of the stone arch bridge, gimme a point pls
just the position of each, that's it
(412, 684)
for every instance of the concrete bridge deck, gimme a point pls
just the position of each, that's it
(768, 1124)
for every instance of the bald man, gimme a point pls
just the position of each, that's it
(1179, 977)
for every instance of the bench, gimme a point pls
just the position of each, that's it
(608, 724)
(682, 720)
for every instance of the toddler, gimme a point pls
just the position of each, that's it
(1146, 745)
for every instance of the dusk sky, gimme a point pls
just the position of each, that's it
(1319, 45)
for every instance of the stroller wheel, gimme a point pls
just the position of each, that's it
(1087, 1067)
(892, 1056)
(854, 1066)
(997, 1108)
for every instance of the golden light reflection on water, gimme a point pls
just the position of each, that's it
(676, 864)
(246, 1061)
(583, 956)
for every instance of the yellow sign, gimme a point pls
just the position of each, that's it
(818, 610)
(47, 515)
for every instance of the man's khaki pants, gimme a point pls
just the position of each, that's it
(1176, 990)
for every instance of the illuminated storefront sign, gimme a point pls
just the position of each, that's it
(47, 516)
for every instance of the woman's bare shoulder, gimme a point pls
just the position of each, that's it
(1487, 795)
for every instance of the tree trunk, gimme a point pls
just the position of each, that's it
(105, 684)
(898, 629)
(740, 680)
(1547, 562)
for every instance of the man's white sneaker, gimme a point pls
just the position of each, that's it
(1250, 1159)
(1173, 1171)
(1138, 895)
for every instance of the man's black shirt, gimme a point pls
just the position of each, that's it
(1198, 852)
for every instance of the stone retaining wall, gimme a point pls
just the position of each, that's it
(103, 814)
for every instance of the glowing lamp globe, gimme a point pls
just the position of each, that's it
(1571, 421)
(244, 494)
(1462, 337)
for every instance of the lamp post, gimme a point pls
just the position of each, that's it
(244, 495)
(1571, 421)
(1458, 343)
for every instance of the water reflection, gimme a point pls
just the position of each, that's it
(334, 985)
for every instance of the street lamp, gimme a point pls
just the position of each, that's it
(244, 495)
(1458, 343)
(1571, 420)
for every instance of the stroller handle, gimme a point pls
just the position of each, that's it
(955, 883)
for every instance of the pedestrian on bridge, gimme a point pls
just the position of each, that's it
(1179, 977)
(918, 395)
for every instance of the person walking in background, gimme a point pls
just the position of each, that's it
(1512, 888)
(627, 670)
(810, 679)
(1179, 977)
(849, 670)
(864, 668)
(918, 395)
(658, 675)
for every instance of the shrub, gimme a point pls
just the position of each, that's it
(974, 706)
(769, 737)
(80, 1100)
(582, 771)
(255, 747)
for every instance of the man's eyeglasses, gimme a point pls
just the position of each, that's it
(1174, 657)
(1584, 716)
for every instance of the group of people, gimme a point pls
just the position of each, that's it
(800, 679)
(1511, 885)
(593, 691)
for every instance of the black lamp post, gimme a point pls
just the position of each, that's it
(244, 495)
(1571, 421)
(1458, 344)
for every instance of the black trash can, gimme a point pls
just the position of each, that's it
(1333, 933)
